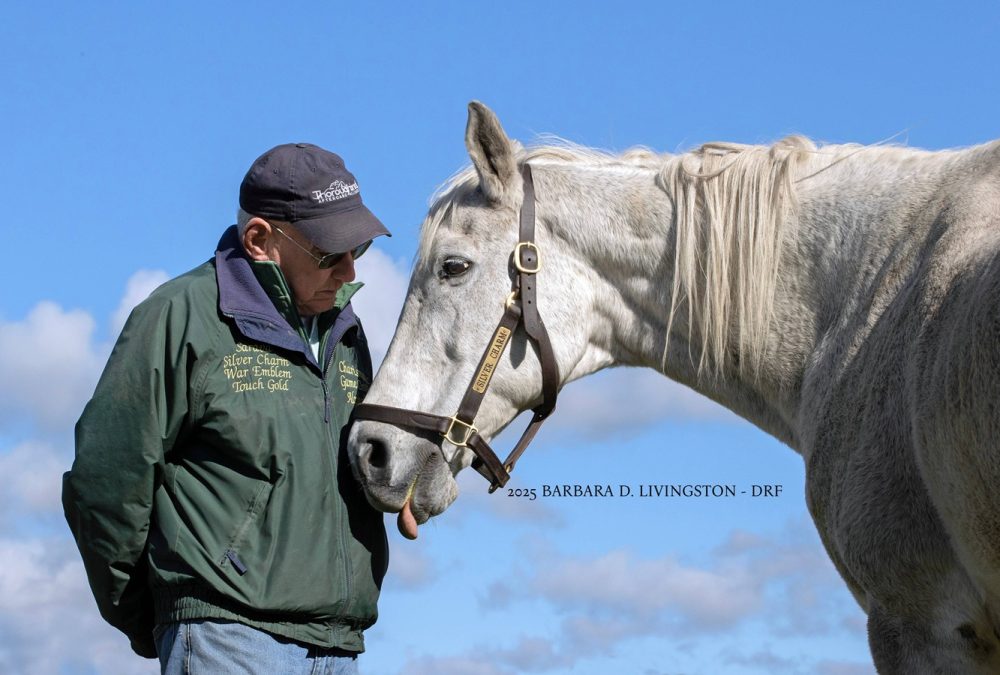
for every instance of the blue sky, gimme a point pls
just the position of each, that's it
(126, 130)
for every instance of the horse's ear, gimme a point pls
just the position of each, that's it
(491, 151)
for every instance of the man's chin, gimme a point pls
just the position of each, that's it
(321, 302)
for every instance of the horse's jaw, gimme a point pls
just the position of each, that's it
(417, 484)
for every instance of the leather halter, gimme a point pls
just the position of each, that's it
(521, 307)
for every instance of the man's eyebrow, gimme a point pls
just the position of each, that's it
(318, 251)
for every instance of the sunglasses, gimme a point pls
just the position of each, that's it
(328, 260)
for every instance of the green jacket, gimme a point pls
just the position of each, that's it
(211, 479)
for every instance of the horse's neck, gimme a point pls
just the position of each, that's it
(822, 260)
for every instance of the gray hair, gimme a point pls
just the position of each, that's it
(242, 219)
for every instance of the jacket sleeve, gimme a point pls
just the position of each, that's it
(133, 418)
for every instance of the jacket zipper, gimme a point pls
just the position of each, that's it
(334, 447)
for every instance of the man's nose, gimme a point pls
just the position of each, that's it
(344, 269)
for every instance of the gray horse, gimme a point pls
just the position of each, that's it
(845, 299)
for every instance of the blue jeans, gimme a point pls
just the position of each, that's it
(224, 648)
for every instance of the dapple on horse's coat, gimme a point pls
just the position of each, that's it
(845, 299)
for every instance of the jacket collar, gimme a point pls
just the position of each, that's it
(244, 300)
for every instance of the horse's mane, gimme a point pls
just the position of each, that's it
(731, 202)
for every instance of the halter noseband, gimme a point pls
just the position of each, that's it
(521, 306)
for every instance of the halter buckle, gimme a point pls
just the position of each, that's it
(517, 257)
(470, 431)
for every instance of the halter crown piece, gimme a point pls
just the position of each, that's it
(521, 307)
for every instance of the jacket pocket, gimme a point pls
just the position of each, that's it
(257, 504)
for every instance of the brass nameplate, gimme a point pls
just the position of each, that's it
(497, 346)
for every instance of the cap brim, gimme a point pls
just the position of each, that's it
(343, 231)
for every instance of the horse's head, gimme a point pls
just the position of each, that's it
(461, 286)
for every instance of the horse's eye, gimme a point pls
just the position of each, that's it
(454, 267)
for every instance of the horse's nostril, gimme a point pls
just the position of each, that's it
(379, 454)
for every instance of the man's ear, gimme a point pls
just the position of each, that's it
(257, 239)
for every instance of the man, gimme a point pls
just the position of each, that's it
(210, 497)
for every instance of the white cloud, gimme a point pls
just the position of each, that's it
(32, 482)
(808, 597)
(529, 654)
(48, 621)
(137, 289)
(409, 567)
(476, 499)
(606, 600)
(48, 364)
(620, 583)
(51, 359)
(624, 400)
(473, 664)
(766, 660)
(585, 635)
(844, 668)
(380, 301)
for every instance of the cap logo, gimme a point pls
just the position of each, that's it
(338, 190)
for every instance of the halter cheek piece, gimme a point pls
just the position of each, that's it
(520, 307)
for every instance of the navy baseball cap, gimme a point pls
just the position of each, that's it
(310, 187)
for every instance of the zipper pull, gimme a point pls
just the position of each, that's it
(326, 402)
(238, 565)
